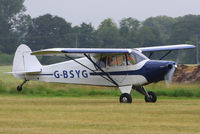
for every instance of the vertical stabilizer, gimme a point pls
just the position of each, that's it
(24, 61)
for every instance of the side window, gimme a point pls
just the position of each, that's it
(101, 62)
(130, 59)
(118, 60)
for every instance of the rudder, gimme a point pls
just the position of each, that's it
(24, 61)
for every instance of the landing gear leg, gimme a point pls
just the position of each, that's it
(125, 97)
(148, 96)
(19, 88)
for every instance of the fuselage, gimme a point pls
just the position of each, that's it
(142, 73)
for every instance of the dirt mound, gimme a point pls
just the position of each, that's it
(187, 74)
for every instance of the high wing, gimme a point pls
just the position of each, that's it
(165, 48)
(79, 52)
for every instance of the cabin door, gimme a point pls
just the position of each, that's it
(117, 67)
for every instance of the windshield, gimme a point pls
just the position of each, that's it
(138, 56)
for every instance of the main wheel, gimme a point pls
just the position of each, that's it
(19, 88)
(152, 97)
(125, 98)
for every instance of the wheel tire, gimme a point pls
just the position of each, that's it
(152, 97)
(125, 98)
(19, 88)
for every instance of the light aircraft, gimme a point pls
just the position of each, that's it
(127, 69)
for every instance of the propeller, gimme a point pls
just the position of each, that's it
(168, 77)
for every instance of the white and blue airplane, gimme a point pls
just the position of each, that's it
(127, 69)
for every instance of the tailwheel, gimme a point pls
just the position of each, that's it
(19, 88)
(125, 98)
(151, 97)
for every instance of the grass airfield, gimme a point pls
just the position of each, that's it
(45, 108)
(58, 115)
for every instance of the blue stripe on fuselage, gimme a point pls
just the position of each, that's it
(130, 72)
(153, 71)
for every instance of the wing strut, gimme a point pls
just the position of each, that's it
(108, 79)
(168, 52)
(151, 53)
(165, 54)
(107, 74)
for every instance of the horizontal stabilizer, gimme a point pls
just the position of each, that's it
(25, 72)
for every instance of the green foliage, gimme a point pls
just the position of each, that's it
(186, 28)
(129, 28)
(6, 59)
(129, 25)
(87, 36)
(49, 31)
(162, 23)
(148, 36)
(108, 33)
(9, 8)
(9, 12)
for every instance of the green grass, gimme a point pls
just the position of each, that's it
(8, 86)
(27, 115)
(44, 108)
(176, 89)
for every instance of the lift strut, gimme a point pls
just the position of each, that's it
(107, 74)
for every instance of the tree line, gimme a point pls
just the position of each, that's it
(48, 31)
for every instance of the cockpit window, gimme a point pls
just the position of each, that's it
(121, 60)
(118, 60)
(101, 62)
(138, 56)
(130, 59)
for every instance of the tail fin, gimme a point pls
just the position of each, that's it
(24, 62)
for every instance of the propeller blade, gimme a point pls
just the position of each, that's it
(169, 75)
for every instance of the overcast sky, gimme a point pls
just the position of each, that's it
(95, 11)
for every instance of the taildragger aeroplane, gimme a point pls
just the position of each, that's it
(127, 69)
